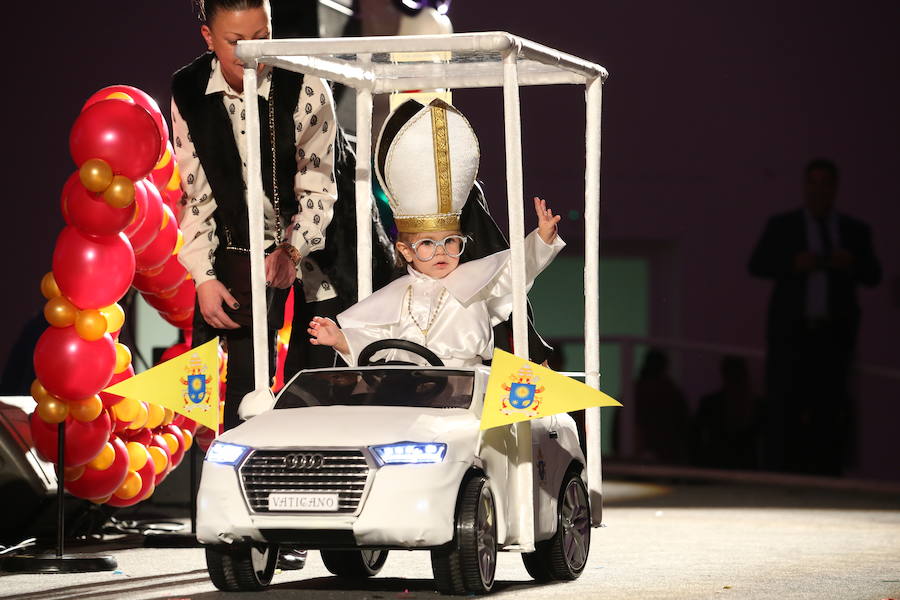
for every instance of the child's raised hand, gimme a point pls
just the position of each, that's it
(546, 221)
(324, 332)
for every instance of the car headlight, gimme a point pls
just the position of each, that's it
(226, 454)
(409, 453)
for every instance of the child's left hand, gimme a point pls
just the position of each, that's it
(546, 221)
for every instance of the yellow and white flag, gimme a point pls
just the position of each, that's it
(188, 384)
(519, 390)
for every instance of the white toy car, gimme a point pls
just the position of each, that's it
(357, 461)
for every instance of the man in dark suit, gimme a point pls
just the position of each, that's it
(817, 259)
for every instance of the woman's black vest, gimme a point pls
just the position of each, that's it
(213, 138)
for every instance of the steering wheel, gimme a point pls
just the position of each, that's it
(365, 356)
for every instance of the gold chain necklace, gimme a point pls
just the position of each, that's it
(432, 315)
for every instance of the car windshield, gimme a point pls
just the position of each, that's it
(426, 388)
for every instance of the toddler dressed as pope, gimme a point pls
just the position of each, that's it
(426, 161)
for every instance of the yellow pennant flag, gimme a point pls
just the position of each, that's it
(519, 390)
(188, 384)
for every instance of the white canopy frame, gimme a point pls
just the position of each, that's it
(477, 60)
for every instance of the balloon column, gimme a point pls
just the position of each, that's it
(120, 208)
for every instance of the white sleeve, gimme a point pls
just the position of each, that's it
(196, 222)
(538, 256)
(360, 337)
(314, 184)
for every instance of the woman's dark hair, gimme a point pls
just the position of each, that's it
(207, 9)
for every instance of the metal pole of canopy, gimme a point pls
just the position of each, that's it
(592, 291)
(523, 532)
(262, 391)
(363, 192)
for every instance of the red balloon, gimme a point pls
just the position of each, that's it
(158, 251)
(72, 367)
(89, 213)
(141, 436)
(180, 320)
(161, 175)
(153, 216)
(174, 351)
(173, 199)
(99, 484)
(159, 442)
(140, 210)
(178, 300)
(140, 98)
(205, 437)
(189, 425)
(165, 279)
(176, 431)
(148, 482)
(121, 133)
(91, 271)
(110, 400)
(83, 440)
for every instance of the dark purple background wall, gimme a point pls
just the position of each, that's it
(710, 113)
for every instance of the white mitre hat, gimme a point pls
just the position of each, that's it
(426, 161)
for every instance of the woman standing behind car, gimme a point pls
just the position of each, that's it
(297, 135)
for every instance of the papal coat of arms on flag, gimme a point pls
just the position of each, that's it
(523, 391)
(195, 381)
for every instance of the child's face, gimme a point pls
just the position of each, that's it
(442, 264)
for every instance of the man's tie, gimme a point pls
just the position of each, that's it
(827, 249)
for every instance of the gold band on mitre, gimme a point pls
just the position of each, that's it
(441, 142)
(423, 223)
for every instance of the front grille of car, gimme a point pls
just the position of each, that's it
(305, 470)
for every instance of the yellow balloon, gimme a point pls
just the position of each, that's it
(49, 289)
(126, 410)
(59, 312)
(104, 458)
(95, 174)
(120, 96)
(86, 410)
(115, 317)
(38, 391)
(170, 416)
(175, 180)
(150, 489)
(179, 242)
(90, 324)
(102, 500)
(188, 439)
(120, 192)
(73, 473)
(137, 455)
(160, 459)
(123, 358)
(52, 410)
(155, 416)
(166, 157)
(130, 487)
(141, 419)
(171, 442)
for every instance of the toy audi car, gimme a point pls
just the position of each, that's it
(355, 462)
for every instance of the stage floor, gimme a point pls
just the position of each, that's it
(661, 541)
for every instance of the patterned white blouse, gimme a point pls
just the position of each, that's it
(314, 184)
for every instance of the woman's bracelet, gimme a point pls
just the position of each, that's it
(292, 252)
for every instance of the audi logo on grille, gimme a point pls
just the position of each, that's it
(303, 461)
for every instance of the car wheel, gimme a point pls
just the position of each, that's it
(354, 564)
(563, 556)
(245, 568)
(468, 565)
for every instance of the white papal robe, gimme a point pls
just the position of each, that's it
(478, 296)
